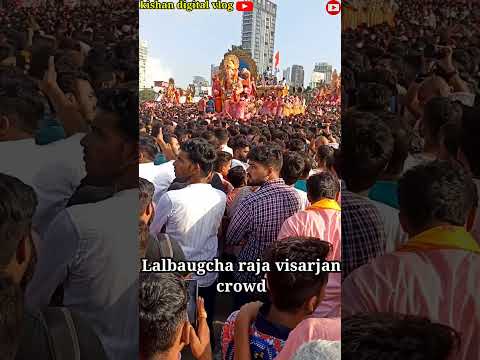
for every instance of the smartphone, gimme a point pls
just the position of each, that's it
(192, 295)
(39, 61)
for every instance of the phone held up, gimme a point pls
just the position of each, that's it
(192, 295)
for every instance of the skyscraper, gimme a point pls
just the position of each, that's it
(298, 76)
(286, 75)
(324, 68)
(142, 68)
(258, 33)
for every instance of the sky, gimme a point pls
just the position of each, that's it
(184, 44)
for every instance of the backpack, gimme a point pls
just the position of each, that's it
(68, 335)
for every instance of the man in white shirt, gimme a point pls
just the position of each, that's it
(91, 250)
(161, 176)
(241, 148)
(192, 215)
(222, 136)
(54, 170)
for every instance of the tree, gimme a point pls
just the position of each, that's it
(147, 95)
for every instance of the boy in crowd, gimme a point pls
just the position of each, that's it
(164, 327)
(292, 298)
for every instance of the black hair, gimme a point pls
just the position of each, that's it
(146, 191)
(237, 176)
(366, 148)
(181, 134)
(17, 207)
(436, 191)
(168, 136)
(373, 96)
(24, 112)
(122, 102)
(450, 134)
(39, 60)
(293, 167)
(323, 185)
(401, 141)
(326, 154)
(308, 166)
(239, 142)
(383, 336)
(201, 152)
(290, 290)
(223, 158)
(162, 309)
(147, 146)
(297, 144)
(210, 137)
(267, 155)
(221, 134)
(437, 112)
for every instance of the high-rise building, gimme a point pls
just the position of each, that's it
(324, 68)
(198, 83)
(142, 68)
(298, 76)
(258, 33)
(200, 80)
(317, 79)
(286, 75)
(213, 70)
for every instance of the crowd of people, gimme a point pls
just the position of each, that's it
(405, 177)
(91, 182)
(68, 161)
(230, 189)
(408, 160)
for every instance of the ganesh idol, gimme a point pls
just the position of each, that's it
(217, 93)
(247, 82)
(232, 86)
(246, 97)
(170, 93)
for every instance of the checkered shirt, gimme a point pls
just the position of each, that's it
(363, 235)
(258, 220)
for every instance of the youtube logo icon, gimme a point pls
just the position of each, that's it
(244, 5)
(333, 7)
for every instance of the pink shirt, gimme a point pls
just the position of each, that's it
(308, 330)
(201, 105)
(442, 285)
(326, 225)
